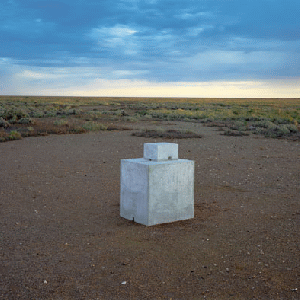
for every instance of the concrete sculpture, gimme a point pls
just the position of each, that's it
(158, 188)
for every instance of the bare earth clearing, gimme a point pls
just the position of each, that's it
(62, 236)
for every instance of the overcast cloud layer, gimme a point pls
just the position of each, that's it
(67, 45)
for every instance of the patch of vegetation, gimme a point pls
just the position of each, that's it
(234, 113)
(276, 131)
(3, 123)
(14, 135)
(168, 134)
(61, 122)
(235, 133)
(275, 118)
(25, 121)
(93, 126)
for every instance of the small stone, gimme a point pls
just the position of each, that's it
(45, 282)
(124, 282)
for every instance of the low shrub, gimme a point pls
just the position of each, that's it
(292, 127)
(60, 122)
(25, 121)
(77, 130)
(14, 135)
(277, 131)
(49, 114)
(265, 124)
(36, 114)
(132, 119)
(93, 126)
(169, 134)
(235, 133)
(13, 120)
(71, 111)
(3, 123)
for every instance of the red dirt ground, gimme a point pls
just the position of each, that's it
(61, 236)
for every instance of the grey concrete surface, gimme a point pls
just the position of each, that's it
(160, 151)
(155, 192)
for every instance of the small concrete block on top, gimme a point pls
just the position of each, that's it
(158, 188)
(160, 151)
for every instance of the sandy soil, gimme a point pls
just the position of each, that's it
(61, 236)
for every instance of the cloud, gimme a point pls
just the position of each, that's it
(128, 73)
(92, 81)
(143, 43)
(118, 31)
(238, 65)
(269, 19)
(254, 60)
(118, 38)
(193, 16)
(50, 75)
(166, 41)
(195, 31)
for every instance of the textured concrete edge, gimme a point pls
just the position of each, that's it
(123, 188)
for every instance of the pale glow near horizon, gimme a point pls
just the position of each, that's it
(220, 89)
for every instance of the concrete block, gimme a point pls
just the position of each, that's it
(160, 151)
(154, 192)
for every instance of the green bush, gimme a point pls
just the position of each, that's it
(293, 128)
(14, 135)
(25, 121)
(282, 130)
(265, 124)
(93, 126)
(13, 120)
(60, 122)
(49, 114)
(3, 123)
(36, 114)
(71, 112)
(276, 131)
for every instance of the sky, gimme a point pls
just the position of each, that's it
(150, 48)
